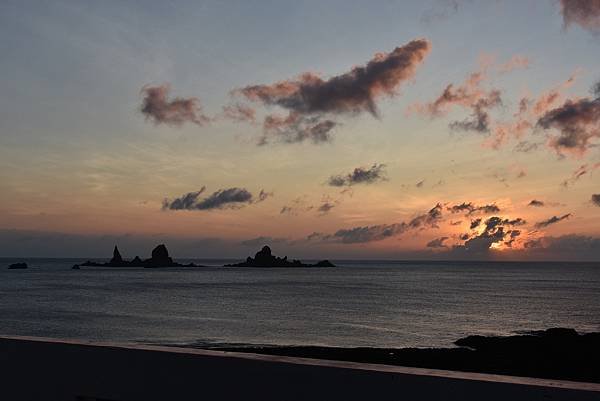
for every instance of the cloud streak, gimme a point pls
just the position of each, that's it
(469, 208)
(364, 234)
(360, 175)
(552, 220)
(230, 198)
(582, 170)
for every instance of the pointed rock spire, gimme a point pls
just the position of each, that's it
(116, 259)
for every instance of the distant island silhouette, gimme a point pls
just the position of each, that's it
(160, 258)
(18, 266)
(264, 258)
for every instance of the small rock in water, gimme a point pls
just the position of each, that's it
(18, 266)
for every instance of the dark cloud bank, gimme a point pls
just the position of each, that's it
(28, 243)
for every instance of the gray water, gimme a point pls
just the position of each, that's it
(379, 304)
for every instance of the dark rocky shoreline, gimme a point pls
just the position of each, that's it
(557, 353)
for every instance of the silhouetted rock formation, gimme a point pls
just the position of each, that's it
(556, 353)
(117, 259)
(160, 258)
(264, 258)
(18, 266)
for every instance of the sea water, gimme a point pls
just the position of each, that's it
(359, 303)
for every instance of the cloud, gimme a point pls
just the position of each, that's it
(326, 207)
(580, 172)
(239, 113)
(578, 124)
(184, 202)
(360, 175)
(493, 222)
(297, 128)
(296, 206)
(363, 234)
(301, 205)
(470, 208)
(585, 13)
(160, 110)
(475, 223)
(536, 203)
(496, 231)
(515, 62)
(308, 98)
(469, 95)
(231, 198)
(552, 220)
(437, 243)
(523, 146)
(525, 118)
(441, 11)
(261, 241)
(571, 246)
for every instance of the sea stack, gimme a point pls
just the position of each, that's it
(160, 257)
(116, 260)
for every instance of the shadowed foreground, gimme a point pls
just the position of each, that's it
(557, 353)
(45, 369)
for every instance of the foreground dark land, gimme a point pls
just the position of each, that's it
(34, 369)
(552, 354)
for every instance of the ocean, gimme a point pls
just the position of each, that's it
(359, 303)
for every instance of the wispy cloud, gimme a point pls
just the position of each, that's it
(363, 234)
(470, 95)
(581, 171)
(552, 220)
(230, 198)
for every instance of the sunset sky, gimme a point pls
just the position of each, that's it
(389, 129)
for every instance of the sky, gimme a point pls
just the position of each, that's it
(442, 129)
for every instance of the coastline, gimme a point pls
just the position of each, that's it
(559, 354)
(120, 372)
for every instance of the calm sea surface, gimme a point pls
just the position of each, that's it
(381, 304)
